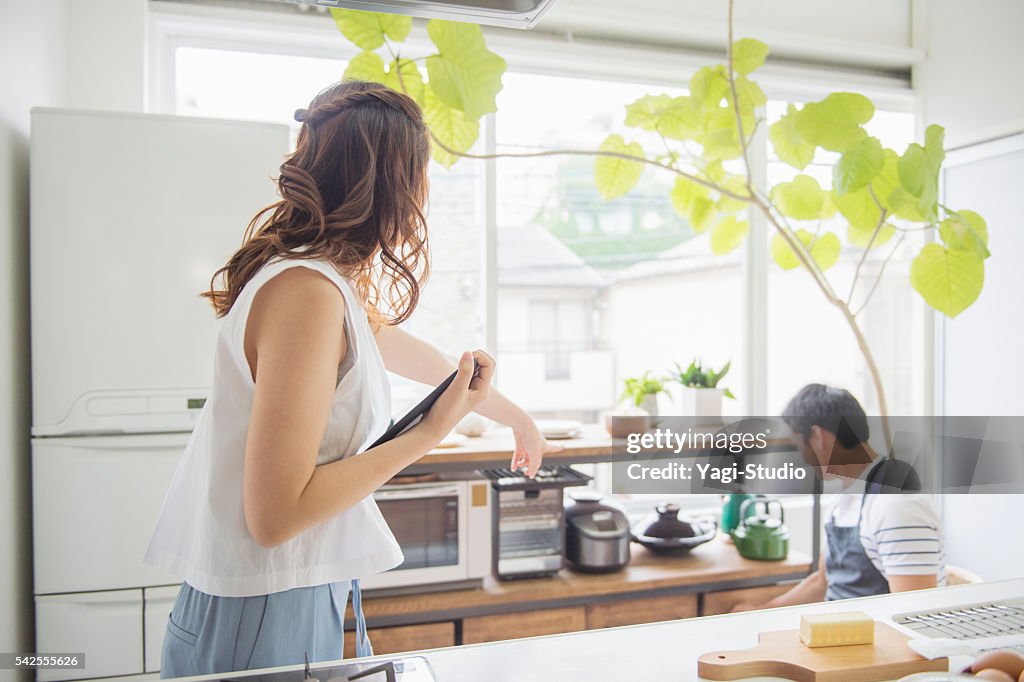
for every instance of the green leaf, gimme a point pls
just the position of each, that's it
(801, 198)
(750, 94)
(411, 78)
(684, 193)
(859, 209)
(949, 280)
(858, 166)
(737, 184)
(748, 55)
(790, 146)
(616, 176)
(905, 205)
(709, 86)
(861, 237)
(367, 29)
(891, 194)
(824, 250)
(919, 171)
(784, 256)
(646, 111)
(835, 122)
(701, 215)
(721, 138)
(450, 126)
(465, 74)
(727, 234)
(677, 118)
(365, 66)
(714, 170)
(965, 231)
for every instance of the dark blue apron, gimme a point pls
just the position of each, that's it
(848, 569)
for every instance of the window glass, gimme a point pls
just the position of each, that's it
(269, 87)
(644, 292)
(808, 338)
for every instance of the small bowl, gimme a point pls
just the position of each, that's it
(621, 426)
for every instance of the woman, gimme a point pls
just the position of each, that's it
(269, 518)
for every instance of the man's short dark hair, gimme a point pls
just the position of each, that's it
(833, 409)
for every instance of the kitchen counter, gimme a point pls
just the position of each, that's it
(711, 566)
(494, 449)
(668, 651)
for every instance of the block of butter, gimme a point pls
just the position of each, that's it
(837, 629)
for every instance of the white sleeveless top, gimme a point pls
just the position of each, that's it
(201, 534)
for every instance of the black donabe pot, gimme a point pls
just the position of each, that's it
(667, 534)
(596, 534)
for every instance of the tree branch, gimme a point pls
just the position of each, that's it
(881, 272)
(736, 101)
(594, 152)
(874, 235)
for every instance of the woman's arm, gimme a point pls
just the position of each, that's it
(414, 358)
(292, 345)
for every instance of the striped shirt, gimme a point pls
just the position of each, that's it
(900, 533)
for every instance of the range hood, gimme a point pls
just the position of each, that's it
(507, 13)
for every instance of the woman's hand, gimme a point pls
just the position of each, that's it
(531, 446)
(469, 388)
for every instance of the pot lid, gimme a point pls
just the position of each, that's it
(602, 524)
(667, 524)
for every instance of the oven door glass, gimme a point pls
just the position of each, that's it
(426, 526)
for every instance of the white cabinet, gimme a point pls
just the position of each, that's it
(105, 626)
(158, 603)
(95, 502)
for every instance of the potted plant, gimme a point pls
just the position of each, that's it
(642, 391)
(701, 396)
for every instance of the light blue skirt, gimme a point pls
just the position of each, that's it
(208, 634)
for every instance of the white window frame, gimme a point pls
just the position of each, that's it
(311, 34)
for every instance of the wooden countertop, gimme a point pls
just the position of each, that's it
(494, 449)
(714, 565)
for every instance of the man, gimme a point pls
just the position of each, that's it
(874, 543)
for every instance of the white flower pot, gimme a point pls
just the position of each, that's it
(650, 404)
(701, 402)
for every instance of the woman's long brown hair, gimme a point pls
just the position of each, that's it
(352, 194)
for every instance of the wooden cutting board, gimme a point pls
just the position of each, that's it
(782, 654)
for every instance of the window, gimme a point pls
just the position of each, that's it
(655, 294)
(808, 339)
(269, 87)
(588, 292)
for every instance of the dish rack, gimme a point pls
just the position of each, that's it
(980, 621)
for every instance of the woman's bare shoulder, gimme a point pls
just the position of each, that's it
(299, 309)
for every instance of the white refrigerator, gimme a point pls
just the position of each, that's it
(130, 216)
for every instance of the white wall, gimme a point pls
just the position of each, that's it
(106, 47)
(53, 53)
(32, 61)
(969, 83)
(970, 79)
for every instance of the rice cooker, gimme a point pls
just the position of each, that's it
(596, 534)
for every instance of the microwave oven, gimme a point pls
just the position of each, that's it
(444, 529)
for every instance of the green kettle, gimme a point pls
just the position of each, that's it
(761, 536)
(731, 510)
